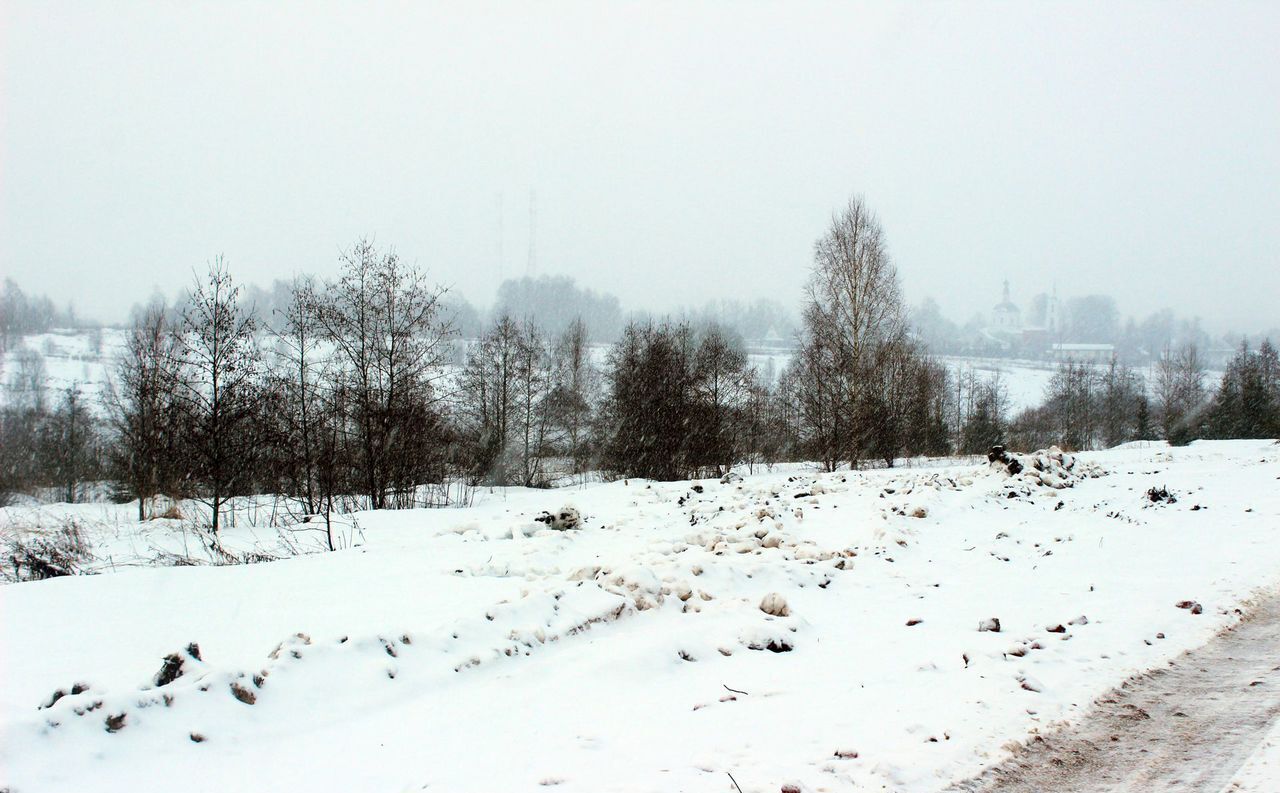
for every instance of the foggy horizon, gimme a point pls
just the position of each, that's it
(677, 156)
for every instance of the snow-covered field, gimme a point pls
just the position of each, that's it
(1024, 381)
(76, 358)
(474, 650)
(86, 360)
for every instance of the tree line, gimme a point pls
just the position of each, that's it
(1098, 406)
(22, 314)
(359, 393)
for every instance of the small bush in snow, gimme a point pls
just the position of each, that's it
(53, 554)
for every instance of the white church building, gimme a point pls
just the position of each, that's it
(1008, 332)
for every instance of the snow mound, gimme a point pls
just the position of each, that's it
(566, 518)
(1050, 467)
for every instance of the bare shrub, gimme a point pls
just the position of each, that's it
(34, 556)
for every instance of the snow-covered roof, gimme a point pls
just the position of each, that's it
(1073, 347)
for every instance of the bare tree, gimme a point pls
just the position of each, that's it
(140, 403)
(391, 338)
(298, 379)
(1179, 391)
(1072, 396)
(648, 414)
(721, 385)
(218, 389)
(985, 425)
(27, 381)
(1121, 398)
(854, 307)
(575, 395)
(927, 429)
(487, 394)
(533, 384)
(70, 444)
(824, 412)
(786, 415)
(762, 436)
(889, 398)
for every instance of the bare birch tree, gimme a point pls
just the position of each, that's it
(853, 308)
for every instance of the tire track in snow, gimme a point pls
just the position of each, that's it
(1186, 727)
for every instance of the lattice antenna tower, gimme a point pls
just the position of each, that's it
(502, 253)
(532, 267)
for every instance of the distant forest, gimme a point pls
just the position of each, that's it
(552, 301)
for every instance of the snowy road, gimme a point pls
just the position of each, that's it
(1189, 726)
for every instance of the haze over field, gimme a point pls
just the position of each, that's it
(1127, 148)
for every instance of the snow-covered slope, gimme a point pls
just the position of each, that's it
(474, 650)
(85, 359)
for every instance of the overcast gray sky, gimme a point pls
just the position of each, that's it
(679, 152)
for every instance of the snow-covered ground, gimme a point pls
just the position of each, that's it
(474, 650)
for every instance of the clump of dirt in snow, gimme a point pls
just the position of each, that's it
(243, 694)
(77, 689)
(175, 665)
